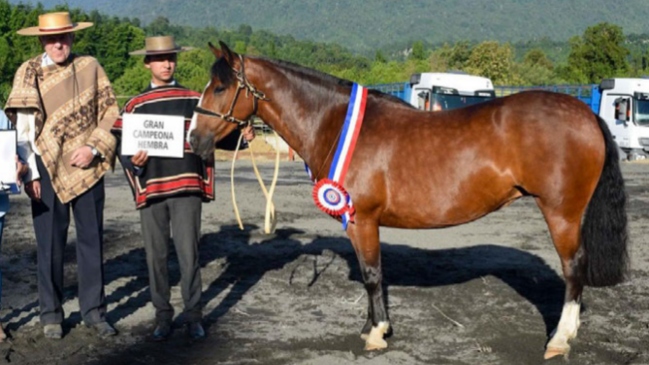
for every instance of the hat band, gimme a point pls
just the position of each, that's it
(163, 51)
(55, 29)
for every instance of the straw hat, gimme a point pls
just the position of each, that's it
(54, 23)
(159, 45)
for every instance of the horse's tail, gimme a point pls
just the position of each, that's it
(604, 235)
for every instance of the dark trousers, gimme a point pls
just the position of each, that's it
(180, 216)
(51, 222)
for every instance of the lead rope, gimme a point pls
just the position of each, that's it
(270, 219)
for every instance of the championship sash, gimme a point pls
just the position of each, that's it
(329, 194)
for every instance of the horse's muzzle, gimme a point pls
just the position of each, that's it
(202, 146)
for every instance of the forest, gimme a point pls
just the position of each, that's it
(369, 25)
(603, 50)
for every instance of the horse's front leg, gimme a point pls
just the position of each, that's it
(365, 239)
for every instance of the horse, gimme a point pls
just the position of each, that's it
(418, 169)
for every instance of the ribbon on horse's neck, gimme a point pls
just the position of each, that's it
(243, 83)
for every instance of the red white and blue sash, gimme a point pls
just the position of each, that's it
(329, 194)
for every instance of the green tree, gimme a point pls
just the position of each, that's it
(536, 69)
(493, 60)
(418, 51)
(598, 54)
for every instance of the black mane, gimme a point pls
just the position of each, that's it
(222, 70)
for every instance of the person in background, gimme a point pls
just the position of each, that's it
(21, 170)
(63, 107)
(169, 192)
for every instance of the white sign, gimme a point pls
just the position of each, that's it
(8, 161)
(159, 135)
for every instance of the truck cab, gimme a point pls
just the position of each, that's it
(625, 108)
(435, 91)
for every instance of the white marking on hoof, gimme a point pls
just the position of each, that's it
(364, 336)
(565, 331)
(551, 352)
(374, 340)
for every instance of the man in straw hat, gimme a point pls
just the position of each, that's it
(63, 107)
(168, 192)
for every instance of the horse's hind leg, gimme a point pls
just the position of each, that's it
(365, 239)
(565, 231)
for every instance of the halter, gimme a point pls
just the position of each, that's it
(243, 83)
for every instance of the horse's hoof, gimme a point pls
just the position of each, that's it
(375, 344)
(551, 352)
(374, 340)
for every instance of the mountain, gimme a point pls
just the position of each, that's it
(364, 26)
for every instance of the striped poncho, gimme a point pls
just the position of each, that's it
(74, 105)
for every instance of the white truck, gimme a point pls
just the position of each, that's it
(440, 90)
(624, 106)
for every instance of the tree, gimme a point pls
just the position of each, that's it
(418, 52)
(536, 69)
(492, 60)
(598, 54)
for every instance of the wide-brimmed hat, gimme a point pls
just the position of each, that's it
(159, 45)
(54, 23)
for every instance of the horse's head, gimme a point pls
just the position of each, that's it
(228, 102)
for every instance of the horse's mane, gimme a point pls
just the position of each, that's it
(222, 70)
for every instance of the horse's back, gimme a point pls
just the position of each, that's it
(450, 167)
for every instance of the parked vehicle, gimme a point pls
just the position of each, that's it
(622, 102)
(435, 91)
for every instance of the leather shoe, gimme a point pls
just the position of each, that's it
(53, 331)
(195, 330)
(104, 329)
(161, 332)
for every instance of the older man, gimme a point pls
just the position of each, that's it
(63, 107)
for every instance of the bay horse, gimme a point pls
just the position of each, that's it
(418, 169)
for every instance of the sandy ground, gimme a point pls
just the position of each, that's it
(487, 292)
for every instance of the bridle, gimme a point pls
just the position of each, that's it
(243, 83)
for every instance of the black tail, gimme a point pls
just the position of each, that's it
(604, 232)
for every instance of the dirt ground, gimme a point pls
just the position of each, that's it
(487, 292)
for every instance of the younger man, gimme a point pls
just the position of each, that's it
(169, 191)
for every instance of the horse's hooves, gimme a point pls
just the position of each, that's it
(551, 352)
(375, 344)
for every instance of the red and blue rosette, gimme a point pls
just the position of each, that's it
(330, 197)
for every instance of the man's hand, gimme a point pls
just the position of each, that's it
(82, 157)
(248, 133)
(140, 158)
(33, 190)
(21, 170)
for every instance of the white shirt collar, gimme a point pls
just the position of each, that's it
(172, 83)
(47, 61)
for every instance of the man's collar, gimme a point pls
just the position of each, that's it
(47, 61)
(172, 83)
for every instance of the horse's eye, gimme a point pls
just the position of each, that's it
(218, 89)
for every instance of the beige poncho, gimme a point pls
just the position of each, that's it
(74, 106)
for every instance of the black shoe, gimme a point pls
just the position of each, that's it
(195, 330)
(103, 329)
(161, 332)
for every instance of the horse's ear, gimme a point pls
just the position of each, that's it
(217, 52)
(227, 53)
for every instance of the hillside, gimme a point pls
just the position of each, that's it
(364, 26)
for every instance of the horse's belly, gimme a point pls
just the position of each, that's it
(445, 212)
